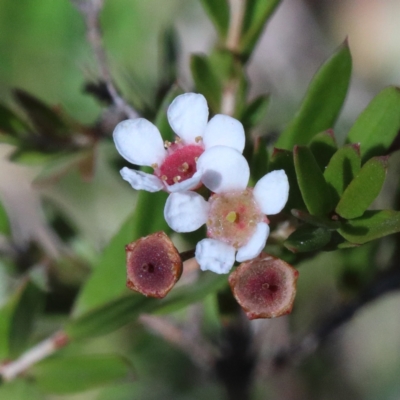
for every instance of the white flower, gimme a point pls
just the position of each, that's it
(235, 215)
(140, 143)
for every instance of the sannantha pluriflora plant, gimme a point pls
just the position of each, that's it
(244, 205)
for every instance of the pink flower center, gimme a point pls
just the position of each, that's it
(180, 163)
(233, 217)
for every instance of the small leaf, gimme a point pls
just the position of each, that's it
(323, 146)
(253, 114)
(314, 189)
(46, 121)
(206, 81)
(363, 189)
(4, 222)
(259, 161)
(321, 222)
(256, 16)
(218, 11)
(32, 157)
(372, 225)
(341, 170)
(72, 374)
(322, 102)
(168, 59)
(377, 126)
(10, 123)
(307, 238)
(283, 159)
(20, 389)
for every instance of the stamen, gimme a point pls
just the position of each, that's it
(184, 167)
(164, 177)
(154, 166)
(178, 139)
(177, 179)
(198, 139)
(231, 217)
(167, 144)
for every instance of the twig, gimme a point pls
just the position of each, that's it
(90, 10)
(13, 369)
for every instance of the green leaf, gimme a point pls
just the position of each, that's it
(321, 222)
(161, 120)
(259, 161)
(322, 102)
(307, 238)
(168, 56)
(323, 146)
(314, 189)
(4, 222)
(254, 113)
(20, 389)
(377, 126)
(372, 225)
(45, 120)
(218, 11)
(10, 123)
(363, 189)
(341, 170)
(108, 279)
(206, 81)
(32, 157)
(256, 16)
(283, 159)
(62, 375)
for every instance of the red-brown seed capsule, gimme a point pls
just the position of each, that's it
(264, 287)
(153, 265)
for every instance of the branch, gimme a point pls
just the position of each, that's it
(90, 10)
(11, 370)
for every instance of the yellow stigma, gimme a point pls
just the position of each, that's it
(231, 217)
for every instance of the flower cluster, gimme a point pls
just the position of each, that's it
(205, 153)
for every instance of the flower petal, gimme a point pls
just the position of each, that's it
(185, 211)
(188, 115)
(223, 130)
(223, 169)
(255, 245)
(140, 180)
(272, 191)
(139, 142)
(215, 256)
(188, 184)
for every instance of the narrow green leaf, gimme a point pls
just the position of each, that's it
(218, 11)
(322, 102)
(372, 225)
(283, 159)
(377, 126)
(32, 157)
(363, 189)
(314, 189)
(72, 374)
(259, 161)
(161, 120)
(307, 238)
(20, 389)
(253, 114)
(256, 16)
(321, 222)
(10, 123)
(323, 146)
(108, 279)
(4, 222)
(341, 170)
(168, 56)
(206, 81)
(45, 120)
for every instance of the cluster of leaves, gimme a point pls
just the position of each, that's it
(331, 189)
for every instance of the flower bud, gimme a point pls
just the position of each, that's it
(264, 287)
(153, 265)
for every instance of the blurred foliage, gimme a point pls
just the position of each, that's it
(56, 117)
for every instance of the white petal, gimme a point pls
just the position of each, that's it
(224, 130)
(215, 256)
(188, 184)
(188, 115)
(255, 245)
(223, 169)
(140, 180)
(139, 142)
(185, 211)
(272, 191)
